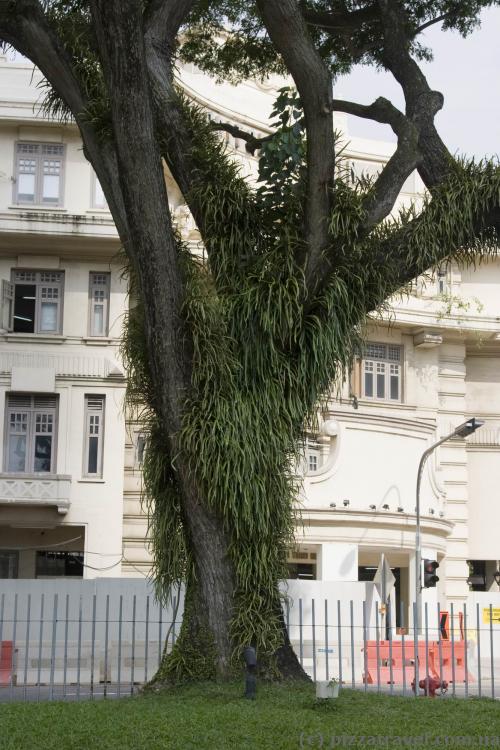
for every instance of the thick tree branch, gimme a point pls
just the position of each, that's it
(405, 269)
(119, 27)
(420, 100)
(381, 110)
(430, 22)
(164, 18)
(343, 25)
(340, 21)
(288, 32)
(151, 243)
(346, 22)
(25, 27)
(252, 143)
(175, 141)
(383, 195)
(385, 191)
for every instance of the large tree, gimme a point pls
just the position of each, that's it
(231, 356)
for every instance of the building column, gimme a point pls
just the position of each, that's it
(337, 562)
(453, 461)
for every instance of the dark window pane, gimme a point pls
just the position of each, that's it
(51, 563)
(74, 564)
(141, 445)
(9, 560)
(366, 572)
(368, 384)
(380, 385)
(43, 453)
(93, 449)
(303, 571)
(394, 387)
(24, 308)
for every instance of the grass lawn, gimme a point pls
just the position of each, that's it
(216, 717)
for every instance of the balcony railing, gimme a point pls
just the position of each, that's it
(34, 490)
(488, 435)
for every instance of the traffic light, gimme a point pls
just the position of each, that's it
(430, 577)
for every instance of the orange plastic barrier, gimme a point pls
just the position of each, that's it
(459, 659)
(6, 662)
(383, 657)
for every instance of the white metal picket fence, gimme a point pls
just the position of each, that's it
(105, 638)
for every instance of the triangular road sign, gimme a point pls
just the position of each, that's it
(384, 579)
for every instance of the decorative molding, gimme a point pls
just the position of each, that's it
(427, 340)
(23, 490)
(361, 419)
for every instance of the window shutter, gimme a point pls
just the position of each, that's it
(7, 305)
(96, 403)
(45, 402)
(22, 401)
(15, 401)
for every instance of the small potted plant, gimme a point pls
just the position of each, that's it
(329, 689)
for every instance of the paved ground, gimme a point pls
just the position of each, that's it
(34, 693)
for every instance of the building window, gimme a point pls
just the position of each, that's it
(302, 571)
(381, 372)
(37, 301)
(442, 280)
(98, 197)
(94, 435)
(477, 575)
(140, 447)
(314, 458)
(9, 563)
(301, 564)
(99, 304)
(39, 172)
(31, 428)
(51, 564)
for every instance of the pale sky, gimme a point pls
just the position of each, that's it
(466, 71)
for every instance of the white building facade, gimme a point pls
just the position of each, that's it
(70, 481)
(61, 382)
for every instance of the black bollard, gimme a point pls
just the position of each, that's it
(250, 678)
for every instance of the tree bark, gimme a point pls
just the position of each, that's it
(212, 585)
(152, 248)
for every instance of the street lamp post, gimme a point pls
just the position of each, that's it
(463, 431)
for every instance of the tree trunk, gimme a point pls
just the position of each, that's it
(211, 586)
(206, 648)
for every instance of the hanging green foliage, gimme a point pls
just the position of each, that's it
(265, 354)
